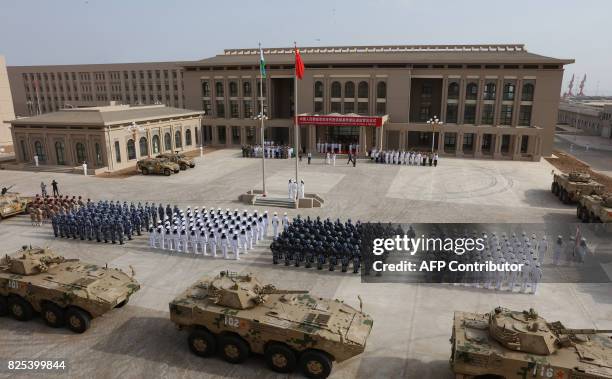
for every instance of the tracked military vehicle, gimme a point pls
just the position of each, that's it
(569, 187)
(157, 166)
(64, 291)
(237, 315)
(180, 159)
(12, 203)
(518, 345)
(595, 208)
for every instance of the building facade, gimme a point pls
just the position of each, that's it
(43, 89)
(108, 138)
(593, 118)
(6, 109)
(495, 100)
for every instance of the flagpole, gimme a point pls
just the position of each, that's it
(296, 129)
(263, 135)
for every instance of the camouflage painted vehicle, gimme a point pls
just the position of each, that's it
(12, 203)
(519, 345)
(157, 166)
(236, 315)
(179, 159)
(569, 187)
(63, 291)
(595, 208)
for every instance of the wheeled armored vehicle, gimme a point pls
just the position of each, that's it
(569, 187)
(157, 166)
(595, 208)
(181, 159)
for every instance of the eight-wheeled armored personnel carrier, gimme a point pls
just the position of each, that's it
(12, 203)
(518, 345)
(595, 208)
(569, 187)
(237, 315)
(64, 291)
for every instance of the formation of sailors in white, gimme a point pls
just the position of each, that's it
(337, 148)
(400, 157)
(270, 150)
(214, 233)
(294, 190)
(531, 252)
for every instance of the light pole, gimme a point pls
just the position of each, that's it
(262, 117)
(434, 122)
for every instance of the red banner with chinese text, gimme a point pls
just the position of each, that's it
(341, 120)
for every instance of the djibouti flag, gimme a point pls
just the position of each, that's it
(262, 63)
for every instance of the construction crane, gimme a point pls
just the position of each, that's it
(581, 93)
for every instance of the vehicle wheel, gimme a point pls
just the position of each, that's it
(192, 165)
(183, 167)
(579, 211)
(202, 343)
(123, 303)
(553, 188)
(77, 320)
(233, 349)
(280, 358)
(53, 315)
(563, 196)
(167, 172)
(4, 310)
(20, 309)
(315, 364)
(176, 171)
(144, 171)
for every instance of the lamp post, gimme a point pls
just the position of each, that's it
(262, 117)
(434, 122)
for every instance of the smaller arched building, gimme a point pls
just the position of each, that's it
(108, 138)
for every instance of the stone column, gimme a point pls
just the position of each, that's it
(497, 145)
(215, 135)
(478, 145)
(459, 146)
(441, 142)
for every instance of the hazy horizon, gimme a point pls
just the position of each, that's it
(36, 32)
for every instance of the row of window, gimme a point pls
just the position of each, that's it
(471, 91)
(143, 145)
(60, 152)
(99, 75)
(488, 114)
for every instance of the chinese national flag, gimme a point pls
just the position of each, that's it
(299, 65)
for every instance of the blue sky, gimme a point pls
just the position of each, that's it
(102, 31)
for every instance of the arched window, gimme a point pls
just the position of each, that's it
(144, 148)
(205, 88)
(155, 142)
(80, 153)
(59, 153)
(98, 155)
(117, 152)
(489, 92)
(381, 90)
(24, 151)
(508, 91)
(167, 141)
(246, 89)
(219, 89)
(197, 135)
(349, 90)
(471, 91)
(233, 89)
(527, 92)
(131, 149)
(39, 151)
(188, 137)
(453, 90)
(362, 90)
(178, 142)
(318, 89)
(336, 89)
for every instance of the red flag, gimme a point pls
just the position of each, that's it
(299, 65)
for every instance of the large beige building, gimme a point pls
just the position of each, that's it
(43, 89)
(6, 108)
(108, 138)
(495, 100)
(594, 118)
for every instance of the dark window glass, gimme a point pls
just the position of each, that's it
(362, 90)
(220, 108)
(336, 107)
(527, 94)
(471, 91)
(59, 153)
(318, 89)
(336, 90)
(488, 112)
(219, 89)
(178, 141)
(349, 107)
(167, 141)
(381, 109)
(80, 152)
(349, 89)
(451, 113)
(221, 134)
(453, 90)
(489, 92)
(144, 148)
(525, 115)
(362, 108)
(469, 115)
(508, 91)
(506, 115)
(131, 149)
(246, 89)
(205, 88)
(233, 86)
(381, 90)
(188, 137)
(155, 143)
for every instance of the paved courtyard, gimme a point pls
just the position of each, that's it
(412, 322)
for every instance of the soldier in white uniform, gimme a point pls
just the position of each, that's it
(327, 158)
(290, 189)
(301, 189)
(224, 244)
(536, 277)
(582, 250)
(275, 222)
(542, 249)
(334, 159)
(525, 275)
(152, 237)
(285, 221)
(294, 189)
(212, 244)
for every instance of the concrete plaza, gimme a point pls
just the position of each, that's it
(412, 322)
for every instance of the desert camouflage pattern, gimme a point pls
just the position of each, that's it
(520, 345)
(12, 203)
(181, 159)
(157, 166)
(595, 208)
(569, 187)
(38, 275)
(261, 314)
